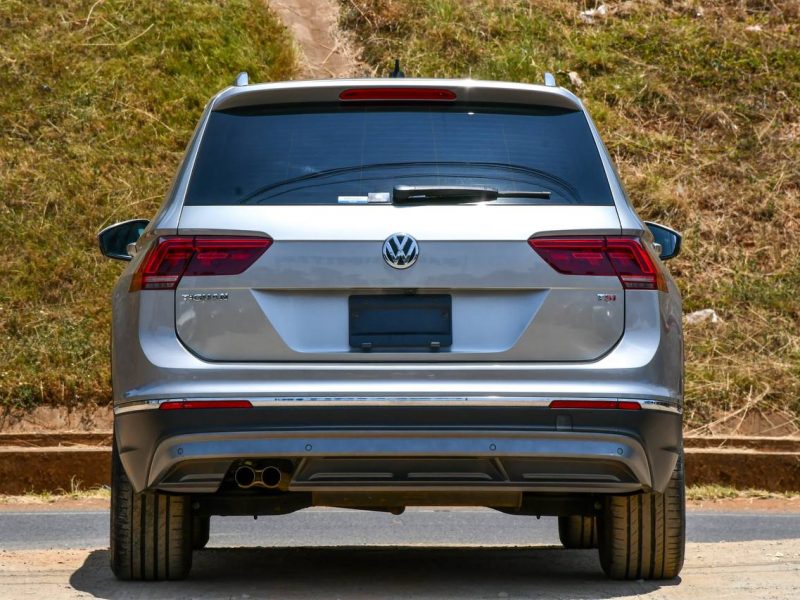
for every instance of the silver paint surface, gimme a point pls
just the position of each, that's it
(521, 331)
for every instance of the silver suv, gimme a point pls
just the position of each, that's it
(396, 292)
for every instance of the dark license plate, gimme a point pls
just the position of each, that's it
(397, 321)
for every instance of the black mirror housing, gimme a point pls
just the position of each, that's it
(669, 240)
(114, 239)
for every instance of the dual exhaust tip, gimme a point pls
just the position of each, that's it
(269, 477)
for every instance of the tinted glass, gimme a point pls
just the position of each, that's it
(329, 154)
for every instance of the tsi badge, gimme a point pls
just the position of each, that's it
(607, 297)
(400, 251)
(205, 297)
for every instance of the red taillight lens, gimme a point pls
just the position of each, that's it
(164, 264)
(173, 257)
(225, 256)
(196, 404)
(634, 266)
(596, 404)
(624, 257)
(398, 93)
(584, 256)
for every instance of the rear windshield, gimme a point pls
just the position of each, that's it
(341, 154)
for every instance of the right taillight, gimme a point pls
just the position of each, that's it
(635, 268)
(622, 256)
(172, 257)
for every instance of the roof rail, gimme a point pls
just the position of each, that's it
(242, 79)
(549, 79)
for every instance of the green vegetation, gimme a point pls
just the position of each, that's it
(99, 100)
(699, 103)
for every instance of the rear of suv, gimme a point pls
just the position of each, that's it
(389, 293)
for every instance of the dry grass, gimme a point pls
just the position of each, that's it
(76, 491)
(721, 492)
(702, 114)
(98, 100)
(700, 105)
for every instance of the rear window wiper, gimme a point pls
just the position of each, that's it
(408, 194)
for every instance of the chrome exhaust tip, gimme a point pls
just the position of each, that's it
(244, 476)
(273, 477)
(269, 477)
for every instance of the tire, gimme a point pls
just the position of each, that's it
(643, 536)
(151, 532)
(201, 529)
(578, 532)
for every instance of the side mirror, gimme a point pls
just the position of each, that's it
(114, 239)
(668, 240)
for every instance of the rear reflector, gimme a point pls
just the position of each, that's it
(175, 256)
(397, 93)
(624, 257)
(195, 404)
(596, 404)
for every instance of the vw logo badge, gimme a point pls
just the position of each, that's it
(400, 251)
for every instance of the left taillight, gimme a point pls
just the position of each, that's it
(172, 257)
(622, 256)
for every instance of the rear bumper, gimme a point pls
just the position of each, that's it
(409, 448)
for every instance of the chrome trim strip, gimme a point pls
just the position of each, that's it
(137, 406)
(262, 402)
(660, 405)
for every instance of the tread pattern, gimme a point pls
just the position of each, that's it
(643, 536)
(577, 531)
(151, 532)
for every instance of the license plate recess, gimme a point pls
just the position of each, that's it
(401, 321)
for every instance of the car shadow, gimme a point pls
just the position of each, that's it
(374, 571)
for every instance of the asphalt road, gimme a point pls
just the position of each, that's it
(334, 527)
(435, 553)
